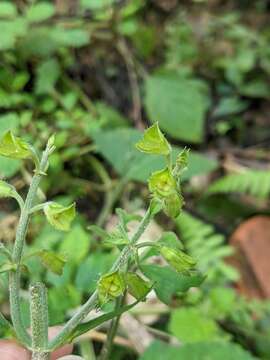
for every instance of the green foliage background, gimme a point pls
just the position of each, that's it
(96, 72)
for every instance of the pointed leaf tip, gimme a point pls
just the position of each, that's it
(15, 147)
(154, 142)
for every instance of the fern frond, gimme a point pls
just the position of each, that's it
(207, 247)
(252, 182)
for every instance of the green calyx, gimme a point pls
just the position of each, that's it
(14, 147)
(154, 142)
(59, 216)
(110, 286)
(163, 186)
(162, 183)
(137, 286)
(177, 259)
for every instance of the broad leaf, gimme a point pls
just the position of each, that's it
(40, 12)
(90, 269)
(54, 262)
(168, 283)
(7, 10)
(211, 350)
(76, 244)
(178, 104)
(191, 325)
(118, 148)
(47, 74)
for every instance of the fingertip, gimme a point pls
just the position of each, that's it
(62, 351)
(9, 350)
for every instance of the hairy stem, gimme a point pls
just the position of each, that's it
(39, 321)
(14, 276)
(62, 337)
(40, 356)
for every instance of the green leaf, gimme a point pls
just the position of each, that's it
(9, 167)
(6, 190)
(170, 239)
(125, 218)
(59, 216)
(178, 104)
(53, 262)
(70, 37)
(118, 148)
(154, 142)
(61, 299)
(9, 121)
(168, 283)
(14, 147)
(110, 286)
(177, 259)
(76, 244)
(7, 10)
(7, 267)
(210, 350)
(95, 4)
(137, 286)
(90, 269)
(10, 31)
(223, 300)
(190, 325)
(40, 12)
(6, 326)
(92, 324)
(47, 74)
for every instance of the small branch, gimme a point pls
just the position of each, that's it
(92, 301)
(87, 350)
(106, 350)
(133, 80)
(112, 193)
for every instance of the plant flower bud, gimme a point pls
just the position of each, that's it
(60, 217)
(110, 286)
(177, 259)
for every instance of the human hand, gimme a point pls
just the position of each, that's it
(10, 350)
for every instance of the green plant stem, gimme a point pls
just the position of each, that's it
(14, 276)
(106, 350)
(92, 301)
(147, 244)
(110, 199)
(86, 350)
(39, 321)
(112, 193)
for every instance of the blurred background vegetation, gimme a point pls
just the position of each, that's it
(96, 73)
